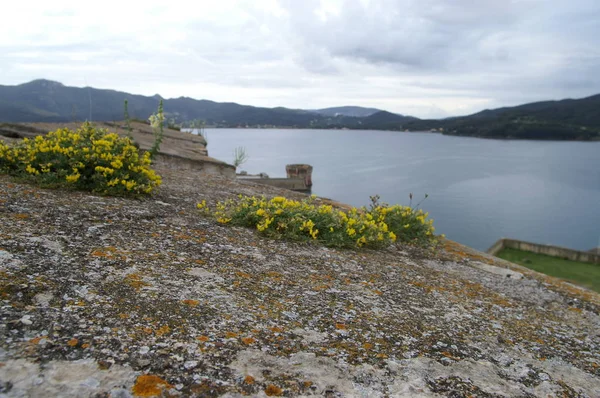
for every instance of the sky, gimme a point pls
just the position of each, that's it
(425, 58)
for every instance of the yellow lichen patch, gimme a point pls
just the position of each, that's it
(276, 329)
(135, 281)
(109, 252)
(273, 391)
(191, 303)
(149, 386)
(367, 346)
(123, 316)
(243, 275)
(73, 342)
(249, 380)
(248, 340)
(36, 340)
(340, 326)
(231, 335)
(86, 345)
(203, 339)
(449, 355)
(163, 330)
(21, 216)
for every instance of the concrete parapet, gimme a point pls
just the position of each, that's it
(294, 184)
(208, 166)
(549, 250)
(303, 171)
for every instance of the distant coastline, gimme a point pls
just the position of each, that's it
(489, 137)
(52, 102)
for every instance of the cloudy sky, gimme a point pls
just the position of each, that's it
(427, 58)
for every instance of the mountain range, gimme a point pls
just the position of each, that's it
(50, 101)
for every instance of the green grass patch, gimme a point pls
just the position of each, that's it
(584, 274)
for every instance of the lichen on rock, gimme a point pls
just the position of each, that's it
(108, 296)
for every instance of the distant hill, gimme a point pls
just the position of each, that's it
(49, 101)
(570, 119)
(352, 111)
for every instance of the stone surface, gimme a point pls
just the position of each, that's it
(115, 297)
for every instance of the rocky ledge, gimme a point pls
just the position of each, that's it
(116, 297)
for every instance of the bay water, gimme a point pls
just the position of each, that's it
(479, 189)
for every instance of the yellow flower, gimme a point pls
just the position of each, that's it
(73, 177)
(201, 205)
(31, 170)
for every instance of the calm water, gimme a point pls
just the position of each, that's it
(479, 190)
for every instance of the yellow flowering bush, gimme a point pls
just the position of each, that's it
(89, 159)
(304, 220)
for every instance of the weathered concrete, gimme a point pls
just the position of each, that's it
(549, 250)
(294, 184)
(302, 171)
(204, 166)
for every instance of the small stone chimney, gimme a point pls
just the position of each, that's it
(303, 171)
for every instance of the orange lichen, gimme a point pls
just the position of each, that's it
(36, 340)
(248, 340)
(149, 386)
(191, 303)
(203, 339)
(21, 216)
(243, 274)
(449, 355)
(135, 281)
(86, 345)
(340, 326)
(123, 316)
(231, 335)
(367, 346)
(73, 342)
(163, 330)
(276, 329)
(249, 380)
(273, 391)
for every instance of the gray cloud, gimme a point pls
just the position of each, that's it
(430, 58)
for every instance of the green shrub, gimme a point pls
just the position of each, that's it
(89, 159)
(280, 217)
